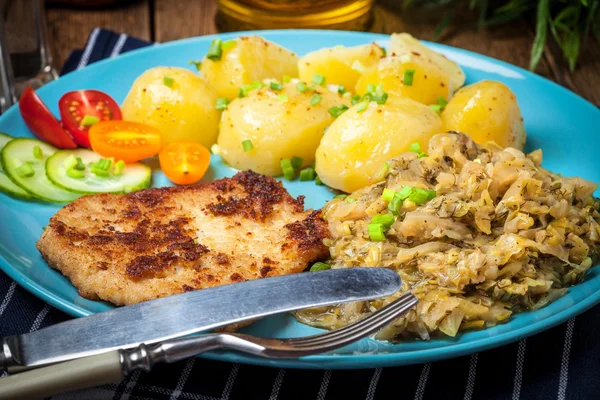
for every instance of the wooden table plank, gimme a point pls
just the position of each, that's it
(69, 29)
(199, 19)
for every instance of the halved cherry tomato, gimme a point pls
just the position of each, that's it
(75, 106)
(42, 123)
(184, 163)
(123, 140)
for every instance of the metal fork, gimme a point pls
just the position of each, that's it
(113, 366)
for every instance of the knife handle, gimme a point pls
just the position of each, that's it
(63, 377)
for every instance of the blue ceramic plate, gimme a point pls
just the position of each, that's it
(558, 121)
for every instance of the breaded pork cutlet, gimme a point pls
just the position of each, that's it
(157, 242)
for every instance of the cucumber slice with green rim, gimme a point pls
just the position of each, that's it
(6, 185)
(133, 177)
(18, 153)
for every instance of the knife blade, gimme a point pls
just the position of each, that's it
(193, 312)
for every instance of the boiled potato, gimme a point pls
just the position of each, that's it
(357, 145)
(249, 59)
(429, 81)
(177, 102)
(487, 111)
(278, 126)
(403, 43)
(340, 65)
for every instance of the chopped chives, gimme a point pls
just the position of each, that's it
(436, 107)
(319, 266)
(118, 168)
(341, 89)
(404, 192)
(415, 147)
(318, 79)
(197, 64)
(301, 87)
(101, 172)
(421, 155)
(357, 66)
(340, 196)
(287, 79)
(307, 174)
(316, 99)
(80, 165)
(70, 162)
(168, 81)
(247, 145)
(362, 106)
(276, 85)
(222, 103)
(442, 102)
(297, 162)
(371, 88)
(355, 99)
(288, 170)
(388, 194)
(384, 219)
(228, 44)
(350, 199)
(215, 50)
(337, 111)
(420, 196)
(283, 97)
(408, 77)
(376, 232)
(244, 90)
(383, 172)
(90, 120)
(318, 180)
(25, 171)
(384, 51)
(38, 153)
(75, 173)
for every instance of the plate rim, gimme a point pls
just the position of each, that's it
(330, 361)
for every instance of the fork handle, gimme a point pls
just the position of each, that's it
(71, 375)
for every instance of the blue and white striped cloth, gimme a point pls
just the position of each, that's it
(561, 363)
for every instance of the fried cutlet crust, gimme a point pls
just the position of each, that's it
(158, 242)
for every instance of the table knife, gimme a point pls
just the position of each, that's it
(184, 314)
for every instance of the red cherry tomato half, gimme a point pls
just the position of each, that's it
(41, 122)
(75, 106)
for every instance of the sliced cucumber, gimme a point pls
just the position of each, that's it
(6, 185)
(19, 154)
(133, 177)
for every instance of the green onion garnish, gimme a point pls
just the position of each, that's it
(318, 79)
(215, 50)
(384, 219)
(301, 87)
(340, 196)
(244, 90)
(415, 147)
(307, 174)
(25, 171)
(355, 99)
(297, 162)
(288, 170)
(362, 106)
(228, 44)
(383, 172)
(118, 168)
(376, 94)
(384, 51)
(350, 199)
(99, 171)
(287, 79)
(396, 203)
(283, 97)
(316, 99)
(222, 103)
(70, 162)
(318, 181)
(38, 153)
(436, 107)
(421, 155)
(90, 120)
(168, 81)
(371, 88)
(75, 173)
(376, 232)
(408, 77)
(341, 89)
(197, 64)
(442, 102)
(319, 266)
(247, 145)
(388, 195)
(357, 66)
(276, 85)
(420, 196)
(337, 111)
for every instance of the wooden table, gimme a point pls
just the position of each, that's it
(165, 20)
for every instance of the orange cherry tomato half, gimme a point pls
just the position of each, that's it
(184, 163)
(123, 140)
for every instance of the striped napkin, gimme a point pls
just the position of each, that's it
(561, 363)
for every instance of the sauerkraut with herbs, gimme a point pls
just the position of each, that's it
(476, 233)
